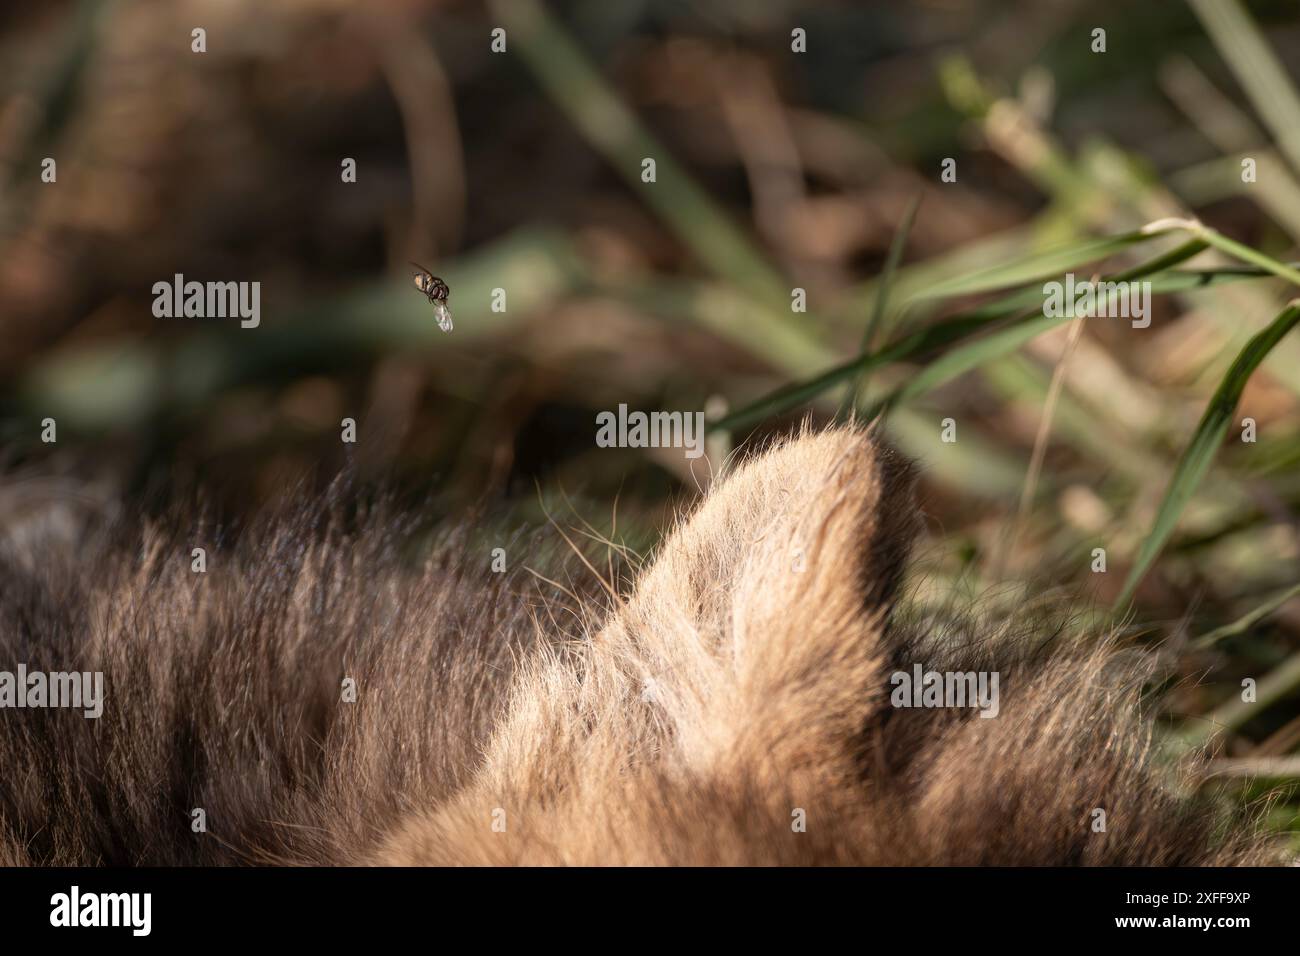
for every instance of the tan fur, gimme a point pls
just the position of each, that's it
(741, 685)
(767, 695)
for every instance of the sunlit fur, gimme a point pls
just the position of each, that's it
(739, 688)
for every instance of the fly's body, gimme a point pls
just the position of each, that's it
(436, 291)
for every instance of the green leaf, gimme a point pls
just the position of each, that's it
(1205, 443)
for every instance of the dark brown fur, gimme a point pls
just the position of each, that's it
(476, 699)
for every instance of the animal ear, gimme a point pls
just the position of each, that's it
(751, 650)
(832, 512)
(764, 612)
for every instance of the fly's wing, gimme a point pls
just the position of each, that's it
(442, 314)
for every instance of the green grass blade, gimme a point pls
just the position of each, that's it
(1205, 443)
(1232, 247)
(1247, 620)
(1006, 340)
(1257, 68)
(791, 396)
(1246, 254)
(882, 298)
(1003, 342)
(1037, 268)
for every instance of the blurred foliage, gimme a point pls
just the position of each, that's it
(775, 170)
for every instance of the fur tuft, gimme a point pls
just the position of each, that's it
(733, 708)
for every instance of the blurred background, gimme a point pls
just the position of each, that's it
(793, 141)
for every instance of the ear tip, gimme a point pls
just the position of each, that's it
(804, 462)
(809, 476)
(891, 519)
(896, 473)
